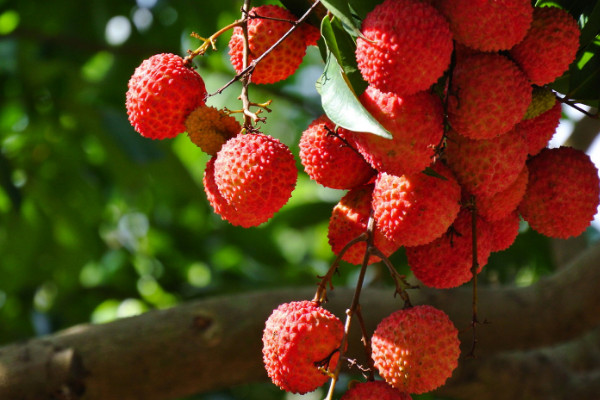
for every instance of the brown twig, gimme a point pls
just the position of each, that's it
(573, 104)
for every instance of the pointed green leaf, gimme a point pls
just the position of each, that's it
(342, 105)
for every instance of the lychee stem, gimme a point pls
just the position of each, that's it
(366, 340)
(208, 42)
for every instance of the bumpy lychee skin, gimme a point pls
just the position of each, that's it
(542, 99)
(161, 93)
(398, 36)
(219, 204)
(487, 25)
(488, 96)
(539, 130)
(349, 219)
(209, 128)
(415, 209)
(549, 46)
(256, 175)
(284, 60)
(501, 204)
(416, 125)
(504, 231)
(563, 192)
(299, 337)
(485, 167)
(328, 158)
(446, 262)
(374, 390)
(416, 349)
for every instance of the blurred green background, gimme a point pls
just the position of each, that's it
(98, 223)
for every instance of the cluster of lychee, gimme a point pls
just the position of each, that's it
(461, 87)
(415, 350)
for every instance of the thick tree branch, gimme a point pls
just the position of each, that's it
(216, 343)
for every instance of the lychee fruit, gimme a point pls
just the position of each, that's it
(538, 131)
(374, 390)
(487, 25)
(329, 159)
(398, 36)
(300, 341)
(415, 349)
(488, 96)
(349, 219)
(446, 262)
(161, 93)
(266, 25)
(562, 194)
(219, 204)
(415, 209)
(209, 128)
(504, 231)
(255, 174)
(542, 99)
(501, 204)
(416, 125)
(549, 46)
(488, 166)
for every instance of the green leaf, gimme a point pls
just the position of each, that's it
(342, 105)
(591, 28)
(340, 9)
(341, 45)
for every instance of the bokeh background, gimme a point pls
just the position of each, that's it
(98, 223)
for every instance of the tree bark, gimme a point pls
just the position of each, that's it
(216, 343)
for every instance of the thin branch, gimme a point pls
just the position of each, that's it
(574, 104)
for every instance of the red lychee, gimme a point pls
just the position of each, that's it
(446, 262)
(539, 130)
(416, 124)
(488, 96)
(504, 231)
(267, 24)
(374, 390)
(329, 159)
(399, 35)
(501, 204)
(349, 219)
(218, 203)
(488, 166)
(299, 338)
(256, 175)
(416, 349)
(487, 25)
(549, 46)
(562, 194)
(415, 209)
(161, 93)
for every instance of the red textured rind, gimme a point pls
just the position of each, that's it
(374, 390)
(549, 46)
(501, 204)
(416, 124)
(563, 192)
(485, 167)
(216, 200)
(504, 231)
(539, 130)
(415, 209)
(256, 175)
(349, 219)
(488, 96)
(328, 160)
(298, 336)
(446, 262)
(400, 35)
(284, 60)
(487, 25)
(416, 349)
(161, 93)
